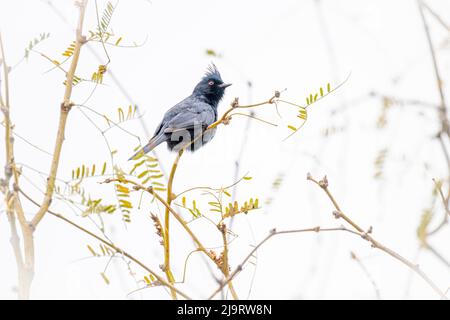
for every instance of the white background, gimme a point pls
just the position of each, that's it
(298, 45)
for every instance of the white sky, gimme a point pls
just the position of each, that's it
(275, 45)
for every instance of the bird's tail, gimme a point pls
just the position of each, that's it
(156, 140)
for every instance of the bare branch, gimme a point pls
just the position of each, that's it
(271, 234)
(112, 246)
(64, 112)
(375, 244)
(439, 83)
(366, 272)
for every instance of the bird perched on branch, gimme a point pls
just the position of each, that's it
(184, 125)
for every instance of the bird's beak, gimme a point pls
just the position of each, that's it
(225, 85)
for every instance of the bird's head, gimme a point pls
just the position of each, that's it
(211, 86)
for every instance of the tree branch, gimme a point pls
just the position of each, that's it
(25, 265)
(112, 246)
(271, 234)
(323, 184)
(64, 112)
(166, 235)
(137, 186)
(439, 83)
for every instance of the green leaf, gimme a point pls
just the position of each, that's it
(104, 168)
(118, 41)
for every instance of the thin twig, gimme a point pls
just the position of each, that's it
(323, 184)
(111, 245)
(367, 273)
(436, 16)
(115, 80)
(434, 252)
(439, 83)
(150, 190)
(225, 118)
(225, 264)
(25, 265)
(64, 112)
(271, 234)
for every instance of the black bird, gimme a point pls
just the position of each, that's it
(184, 125)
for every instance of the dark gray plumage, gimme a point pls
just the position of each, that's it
(184, 125)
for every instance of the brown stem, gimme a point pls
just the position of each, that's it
(66, 105)
(225, 264)
(235, 105)
(25, 265)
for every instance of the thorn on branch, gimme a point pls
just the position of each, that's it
(323, 183)
(31, 226)
(156, 283)
(337, 214)
(66, 107)
(221, 226)
(365, 236)
(226, 120)
(82, 40)
(8, 172)
(235, 103)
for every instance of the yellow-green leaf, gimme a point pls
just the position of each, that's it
(105, 278)
(118, 41)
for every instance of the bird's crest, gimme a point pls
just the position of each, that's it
(212, 72)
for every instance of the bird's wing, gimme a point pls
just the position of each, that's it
(199, 114)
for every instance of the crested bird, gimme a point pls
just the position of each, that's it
(184, 126)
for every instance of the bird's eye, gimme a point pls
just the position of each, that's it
(210, 82)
